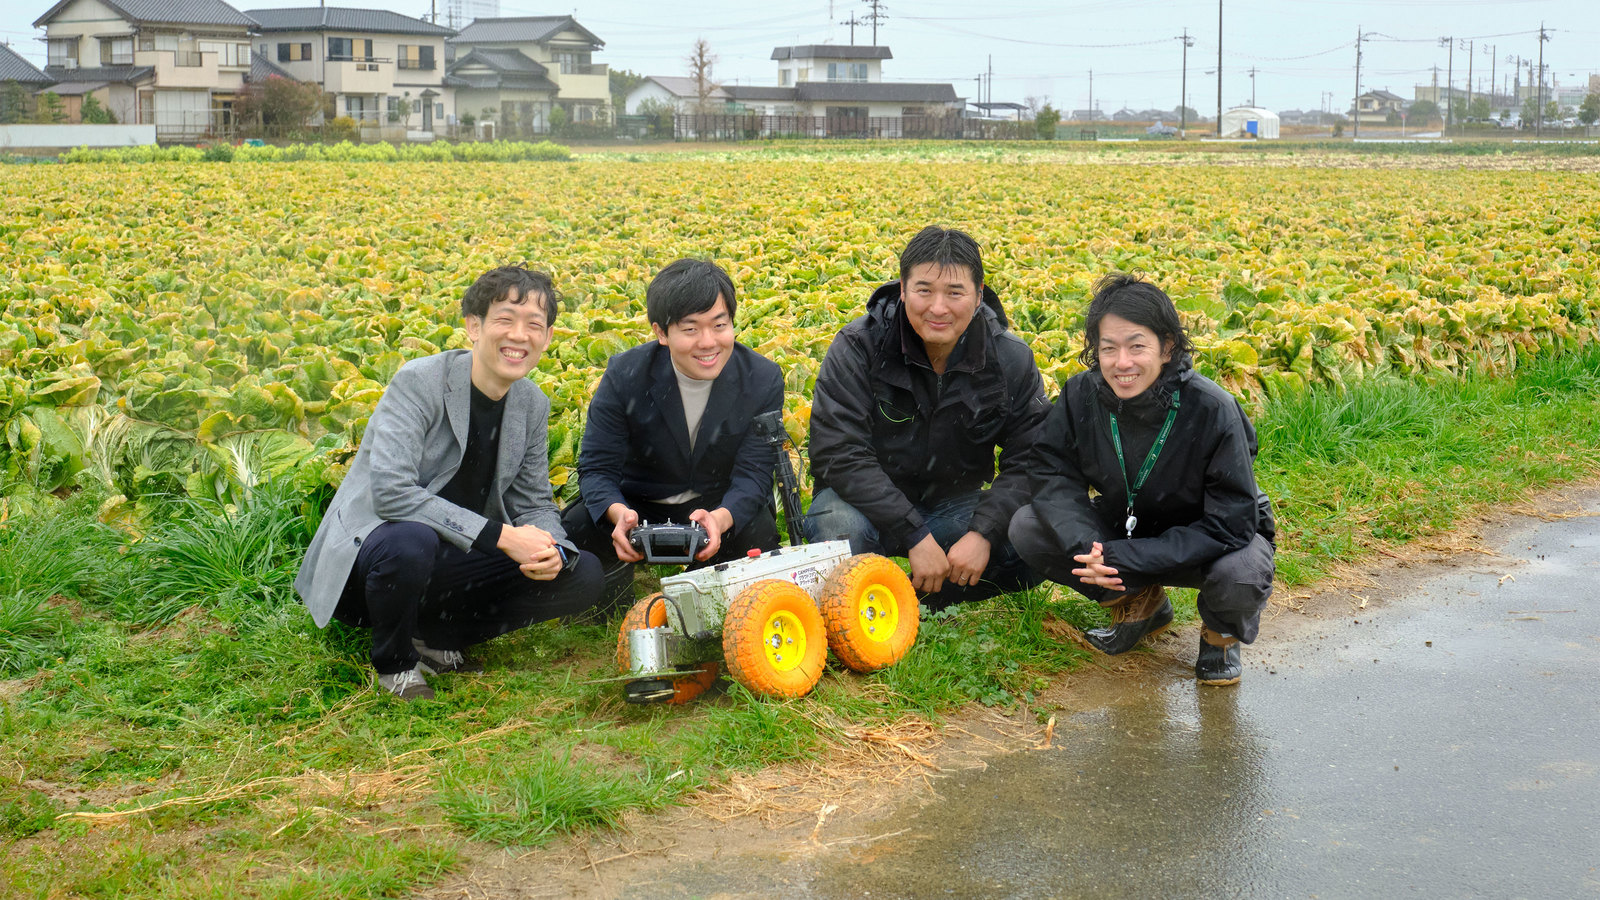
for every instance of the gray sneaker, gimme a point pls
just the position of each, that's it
(408, 685)
(439, 662)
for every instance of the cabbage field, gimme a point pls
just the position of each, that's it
(193, 328)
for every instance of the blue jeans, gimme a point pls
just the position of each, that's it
(830, 518)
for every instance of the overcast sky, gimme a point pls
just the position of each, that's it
(1299, 48)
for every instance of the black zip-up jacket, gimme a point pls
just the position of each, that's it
(887, 433)
(1200, 500)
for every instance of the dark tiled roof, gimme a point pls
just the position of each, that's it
(503, 60)
(184, 12)
(262, 68)
(105, 74)
(14, 68)
(339, 18)
(831, 51)
(522, 30)
(74, 88)
(508, 69)
(753, 92)
(876, 91)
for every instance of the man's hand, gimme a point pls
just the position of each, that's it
(525, 543)
(625, 520)
(929, 565)
(716, 523)
(968, 558)
(546, 566)
(1095, 571)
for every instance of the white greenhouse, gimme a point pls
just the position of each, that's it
(1250, 122)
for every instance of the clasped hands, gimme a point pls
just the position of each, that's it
(963, 565)
(1095, 571)
(533, 549)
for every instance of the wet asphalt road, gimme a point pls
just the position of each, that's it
(1448, 746)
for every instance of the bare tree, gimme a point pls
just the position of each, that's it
(700, 61)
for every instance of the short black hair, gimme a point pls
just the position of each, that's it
(495, 285)
(687, 287)
(944, 247)
(1140, 302)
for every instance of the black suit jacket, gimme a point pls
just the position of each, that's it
(636, 443)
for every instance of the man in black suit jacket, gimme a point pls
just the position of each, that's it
(669, 434)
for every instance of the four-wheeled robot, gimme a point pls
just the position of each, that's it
(771, 617)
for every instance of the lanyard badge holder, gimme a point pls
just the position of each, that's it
(1132, 521)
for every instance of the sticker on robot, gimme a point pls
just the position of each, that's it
(807, 577)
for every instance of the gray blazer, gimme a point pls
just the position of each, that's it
(411, 449)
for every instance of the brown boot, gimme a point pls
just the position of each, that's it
(1218, 662)
(1133, 617)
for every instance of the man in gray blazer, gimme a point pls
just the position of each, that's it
(444, 532)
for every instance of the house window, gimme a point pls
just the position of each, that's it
(64, 53)
(846, 112)
(415, 56)
(805, 74)
(847, 71)
(346, 49)
(146, 42)
(227, 54)
(294, 52)
(116, 51)
(394, 106)
(438, 110)
(783, 77)
(573, 62)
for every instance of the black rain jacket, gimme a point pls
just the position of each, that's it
(887, 433)
(1199, 502)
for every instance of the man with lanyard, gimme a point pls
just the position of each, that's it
(1145, 478)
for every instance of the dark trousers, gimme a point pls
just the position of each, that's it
(1233, 588)
(760, 533)
(410, 583)
(831, 518)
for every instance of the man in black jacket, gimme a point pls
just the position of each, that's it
(1145, 475)
(910, 404)
(669, 435)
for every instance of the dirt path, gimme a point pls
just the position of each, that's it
(806, 811)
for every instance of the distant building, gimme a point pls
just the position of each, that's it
(508, 90)
(175, 64)
(1376, 106)
(27, 76)
(814, 80)
(376, 64)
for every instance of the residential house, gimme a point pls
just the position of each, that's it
(841, 84)
(553, 50)
(503, 89)
(13, 68)
(377, 67)
(1375, 107)
(1088, 115)
(176, 64)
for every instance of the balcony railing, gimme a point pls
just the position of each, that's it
(187, 60)
(427, 65)
(583, 68)
(364, 59)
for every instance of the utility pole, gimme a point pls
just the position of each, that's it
(875, 17)
(852, 22)
(1252, 86)
(1538, 121)
(1449, 82)
(1183, 93)
(1492, 50)
(1355, 111)
(1469, 78)
(988, 96)
(1091, 95)
(1219, 68)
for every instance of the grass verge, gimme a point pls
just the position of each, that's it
(175, 726)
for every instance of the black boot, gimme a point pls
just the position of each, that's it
(1132, 619)
(1218, 662)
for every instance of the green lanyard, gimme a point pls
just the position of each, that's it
(1149, 459)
